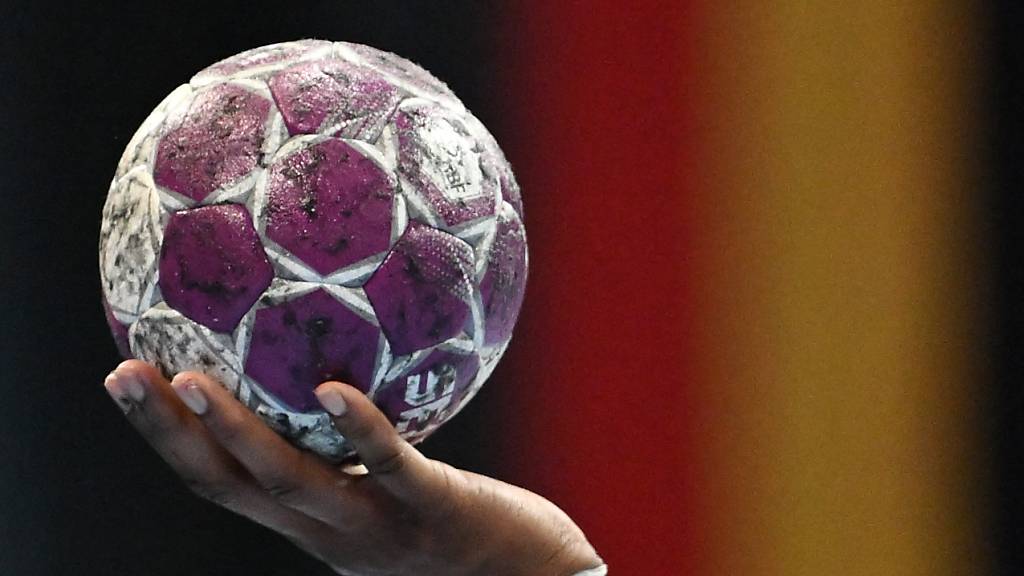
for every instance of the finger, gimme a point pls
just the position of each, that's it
(385, 454)
(294, 478)
(185, 444)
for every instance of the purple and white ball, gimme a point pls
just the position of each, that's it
(310, 211)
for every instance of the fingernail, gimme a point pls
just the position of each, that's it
(113, 386)
(331, 400)
(131, 385)
(191, 395)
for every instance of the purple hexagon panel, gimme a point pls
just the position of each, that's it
(218, 142)
(330, 206)
(334, 97)
(300, 343)
(312, 211)
(422, 291)
(212, 265)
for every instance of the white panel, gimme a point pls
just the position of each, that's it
(129, 241)
(164, 337)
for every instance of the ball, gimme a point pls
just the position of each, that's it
(312, 211)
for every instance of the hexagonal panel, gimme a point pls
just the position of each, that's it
(300, 343)
(217, 143)
(173, 343)
(445, 164)
(420, 292)
(504, 281)
(353, 101)
(129, 242)
(330, 206)
(424, 397)
(212, 266)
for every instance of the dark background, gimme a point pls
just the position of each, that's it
(1006, 194)
(80, 492)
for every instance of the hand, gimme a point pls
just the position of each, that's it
(397, 513)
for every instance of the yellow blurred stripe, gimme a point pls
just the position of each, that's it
(844, 264)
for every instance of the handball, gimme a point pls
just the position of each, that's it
(313, 211)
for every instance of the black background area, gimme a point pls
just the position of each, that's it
(1005, 131)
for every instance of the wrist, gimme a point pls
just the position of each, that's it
(501, 530)
(557, 548)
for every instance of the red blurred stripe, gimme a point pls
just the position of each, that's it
(603, 146)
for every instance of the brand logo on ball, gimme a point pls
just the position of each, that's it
(429, 394)
(452, 166)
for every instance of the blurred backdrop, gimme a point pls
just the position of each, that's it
(774, 320)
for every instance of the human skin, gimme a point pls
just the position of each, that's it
(397, 513)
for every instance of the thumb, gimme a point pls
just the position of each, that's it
(381, 449)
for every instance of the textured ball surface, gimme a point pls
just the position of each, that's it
(310, 211)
